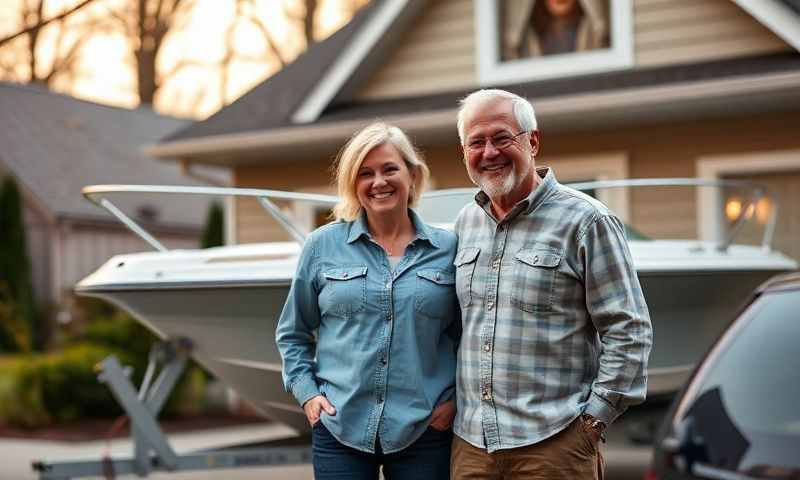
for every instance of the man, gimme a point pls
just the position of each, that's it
(556, 332)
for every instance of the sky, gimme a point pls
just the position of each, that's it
(105, 72)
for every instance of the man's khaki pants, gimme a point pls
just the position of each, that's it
(570, 454)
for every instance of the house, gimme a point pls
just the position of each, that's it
(54, 145)
(641, 89)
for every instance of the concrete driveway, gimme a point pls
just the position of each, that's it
(623, 462)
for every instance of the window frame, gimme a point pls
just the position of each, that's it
(491, 70)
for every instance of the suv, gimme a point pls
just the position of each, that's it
(739, 415)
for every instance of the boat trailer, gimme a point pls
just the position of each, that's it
(152, 450)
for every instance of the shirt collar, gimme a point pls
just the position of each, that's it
(359, 228)
(547, 185)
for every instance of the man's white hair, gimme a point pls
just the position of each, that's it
(523, 110)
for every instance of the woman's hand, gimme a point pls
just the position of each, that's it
(314, 408)
(443, 415)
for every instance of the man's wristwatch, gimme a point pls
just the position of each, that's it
(594, 424)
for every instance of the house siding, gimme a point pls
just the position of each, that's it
(656, 151)
(38, 240)
(253, 223)
(86, 247)
(438, 54)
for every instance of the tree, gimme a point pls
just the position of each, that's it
(213, 235)
(15, 269)
(24, 47)
(147, 24)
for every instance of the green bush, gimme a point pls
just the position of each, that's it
(62, 386)
(39, 389)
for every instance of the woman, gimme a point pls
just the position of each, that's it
(376, 382)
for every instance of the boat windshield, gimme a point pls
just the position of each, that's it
(442, 207)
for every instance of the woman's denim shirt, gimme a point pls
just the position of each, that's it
(384, 353)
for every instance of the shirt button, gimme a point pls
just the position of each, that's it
(535, 258)
(496, 264)
(380, 398)
(344, 275)
(486, 394)
(383, 360)
(490, 305)
(487, 347)
(389, 286)
(438, 276)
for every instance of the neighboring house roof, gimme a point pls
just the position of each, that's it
(55, 144)
(310, 99)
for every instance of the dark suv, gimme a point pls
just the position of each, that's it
(739, 415)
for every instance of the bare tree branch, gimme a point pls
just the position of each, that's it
(42, 23)
(269, 40)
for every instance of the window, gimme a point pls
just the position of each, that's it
(523, 40)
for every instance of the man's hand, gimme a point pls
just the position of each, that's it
(442, 416)
(593, 427)
(314, 408)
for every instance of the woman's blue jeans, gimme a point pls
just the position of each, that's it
(428, 458)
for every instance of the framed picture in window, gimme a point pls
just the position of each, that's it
(525, 40)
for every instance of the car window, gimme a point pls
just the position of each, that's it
(744, 403)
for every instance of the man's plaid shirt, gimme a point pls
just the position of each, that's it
(554, 320)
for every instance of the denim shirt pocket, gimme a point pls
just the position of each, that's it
(345, 290)
(434, 292)
(533, 281)
(465, 262)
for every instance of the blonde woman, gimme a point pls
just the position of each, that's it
(376, 382)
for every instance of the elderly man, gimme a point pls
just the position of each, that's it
(556, 332)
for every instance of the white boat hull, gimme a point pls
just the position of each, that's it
(227, 300)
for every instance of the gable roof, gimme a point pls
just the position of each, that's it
(54, 145)
(324, 109)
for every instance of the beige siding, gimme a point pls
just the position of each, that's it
(253, 224)
(664, 150)
(438, 54)
(682, 31)
(85, 248)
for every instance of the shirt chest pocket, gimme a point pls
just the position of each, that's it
(465, 262)
(533, 280)
(345, 290)
(434, 293)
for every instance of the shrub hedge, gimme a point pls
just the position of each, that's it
(62, 386)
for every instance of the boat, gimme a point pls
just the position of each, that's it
(226, 300)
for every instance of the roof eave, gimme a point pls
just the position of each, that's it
(564, 113)
(777, 17)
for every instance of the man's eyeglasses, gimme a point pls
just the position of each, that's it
(500, 141)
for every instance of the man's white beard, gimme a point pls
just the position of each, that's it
(499, 187)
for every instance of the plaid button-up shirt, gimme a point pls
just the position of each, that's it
(554, 320)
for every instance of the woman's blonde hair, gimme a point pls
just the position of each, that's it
(352, 156)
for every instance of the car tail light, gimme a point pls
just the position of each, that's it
(650, 474)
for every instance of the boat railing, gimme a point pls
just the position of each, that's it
(98, 194)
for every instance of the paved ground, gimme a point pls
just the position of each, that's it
(624, 462)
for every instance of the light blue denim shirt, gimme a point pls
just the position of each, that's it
(384, 353)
